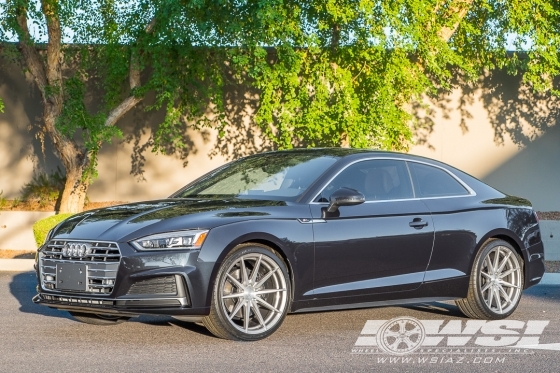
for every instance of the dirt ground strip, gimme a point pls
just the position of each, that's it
(10, 205)
(552, 267)
(17, 254)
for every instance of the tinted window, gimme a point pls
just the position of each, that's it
(378, 180)
(434, 182)
(279, 176)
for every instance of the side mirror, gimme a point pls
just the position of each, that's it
(345, 197)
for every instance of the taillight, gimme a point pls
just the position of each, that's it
(536, 216)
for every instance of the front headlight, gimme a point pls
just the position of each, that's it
(190, 239)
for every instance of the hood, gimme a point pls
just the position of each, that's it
(118, 222)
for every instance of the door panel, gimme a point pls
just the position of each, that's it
(371, 248)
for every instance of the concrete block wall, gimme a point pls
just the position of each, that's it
(550, 233)
(16, 229)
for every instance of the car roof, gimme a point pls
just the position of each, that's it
(354, 153)
(335, 152)
(349, 155)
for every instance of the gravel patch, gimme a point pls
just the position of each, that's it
(552, 266)
(548, 215)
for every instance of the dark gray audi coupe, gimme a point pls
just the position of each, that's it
(295, 231)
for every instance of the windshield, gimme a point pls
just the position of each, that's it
(280, 176)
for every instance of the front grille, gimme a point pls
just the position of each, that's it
(100, 251)
(102, 261)
(157, 285)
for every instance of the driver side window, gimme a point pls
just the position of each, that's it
(377, 180)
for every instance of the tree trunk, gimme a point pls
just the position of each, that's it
(458, 9)
(335, 42)
(344, 140)
(74, 195)
(75, 161)
(47, 73)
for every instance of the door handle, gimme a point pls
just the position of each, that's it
(418, 223)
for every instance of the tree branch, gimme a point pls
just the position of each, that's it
(458, 10)
(54, 68)
(134, 81)
(121, 110)
(29, 52)
(36, 65)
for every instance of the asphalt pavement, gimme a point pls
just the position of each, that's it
(38, 339)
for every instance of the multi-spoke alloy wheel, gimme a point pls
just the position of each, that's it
(500, 280)
(251, 294)
(496, 282)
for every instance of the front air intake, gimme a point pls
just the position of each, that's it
(165, 285)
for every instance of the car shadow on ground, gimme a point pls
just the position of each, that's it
(23, 288)
(168, 321)
(438, 308)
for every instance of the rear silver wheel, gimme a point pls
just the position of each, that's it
(496, 282)
(251, 295)
(500, 280)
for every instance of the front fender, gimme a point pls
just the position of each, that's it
(293, 239)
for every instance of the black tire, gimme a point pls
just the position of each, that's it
(102, 320)
(236, 295)
(489, 276)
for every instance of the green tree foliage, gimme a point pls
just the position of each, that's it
(42, 227)
(343, 67)
(327, 72)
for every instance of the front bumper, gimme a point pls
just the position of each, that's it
(159, 283)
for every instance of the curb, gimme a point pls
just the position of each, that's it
(17, 265)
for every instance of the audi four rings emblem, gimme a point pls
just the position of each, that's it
(76, 249)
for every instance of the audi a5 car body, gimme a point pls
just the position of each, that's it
(296, 231)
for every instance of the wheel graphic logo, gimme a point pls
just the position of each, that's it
(401, 336)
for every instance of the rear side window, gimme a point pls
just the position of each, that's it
(431, 181)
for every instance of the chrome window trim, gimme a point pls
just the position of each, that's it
(410, 177)
(471, 192)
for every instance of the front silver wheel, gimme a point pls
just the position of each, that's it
(253, 294)
(500, 280)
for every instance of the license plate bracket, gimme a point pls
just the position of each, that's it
(71, 277)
